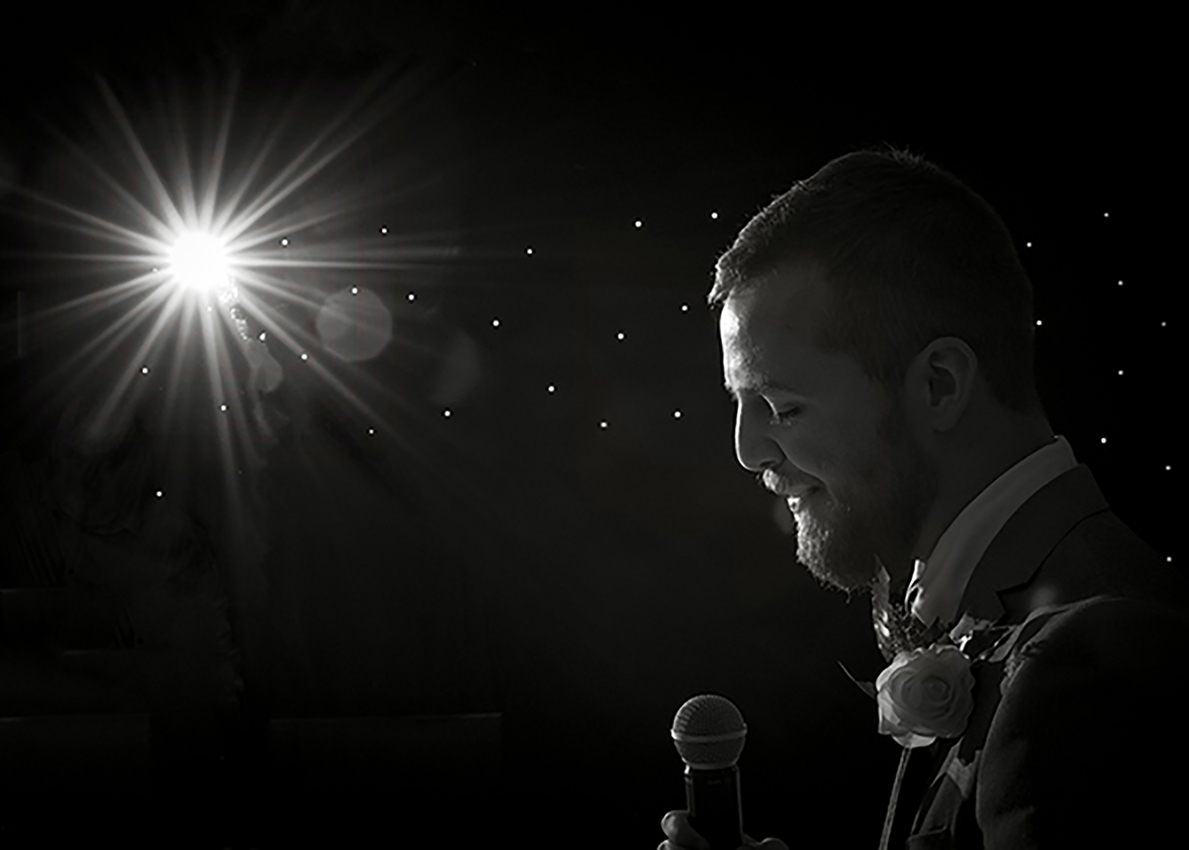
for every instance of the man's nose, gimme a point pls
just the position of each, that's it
(754, 447)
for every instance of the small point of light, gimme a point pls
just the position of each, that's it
(1106, 215)
(144, 370)
(411, 296)
(676, 414)
(223, 408)
(159, 494)
(714, 215)
(602, 424)
(371, 430)
(529, 251)
(156, 270)
(284, 243)
(262, 335)
(621, 335)
(495, 323)
(1027, 244)
(354, 290)
(208, 309)
(639, 223)
(305, 356)
(383, 231)
(684, 308)
(1120, 283)
(552, 388)
(445, 412)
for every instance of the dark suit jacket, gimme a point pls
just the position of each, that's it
(1085, 743)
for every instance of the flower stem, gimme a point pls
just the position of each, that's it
(887, 823)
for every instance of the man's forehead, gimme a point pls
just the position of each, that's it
(767, 340)
(749, 355)
(730, 320)
(760, 305)
(786, 299)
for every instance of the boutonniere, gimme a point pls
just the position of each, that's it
(925, 694)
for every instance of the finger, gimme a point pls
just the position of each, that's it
(750, 843)
(676, 826)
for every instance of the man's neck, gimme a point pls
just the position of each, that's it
(969, 474)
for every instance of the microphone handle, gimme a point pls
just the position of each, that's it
(715, 807)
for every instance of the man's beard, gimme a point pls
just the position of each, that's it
(842, 537)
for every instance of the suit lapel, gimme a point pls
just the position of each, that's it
(1025, 540)
(996, 595)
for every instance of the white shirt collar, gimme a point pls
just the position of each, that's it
(937, 585)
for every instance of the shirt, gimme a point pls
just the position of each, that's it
(937, 584)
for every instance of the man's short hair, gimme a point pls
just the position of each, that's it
(910, 254)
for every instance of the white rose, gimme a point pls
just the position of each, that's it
(925, 694)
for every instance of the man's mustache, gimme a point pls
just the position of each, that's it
(769, 479)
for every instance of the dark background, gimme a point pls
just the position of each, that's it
(516, 557)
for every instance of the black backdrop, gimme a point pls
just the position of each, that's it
(586, 582)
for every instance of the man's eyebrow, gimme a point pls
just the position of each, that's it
(761, 387)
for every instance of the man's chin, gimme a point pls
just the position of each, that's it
(849, 582)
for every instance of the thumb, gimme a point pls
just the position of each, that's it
(677, 828)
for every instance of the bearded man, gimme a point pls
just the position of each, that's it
(877, 338)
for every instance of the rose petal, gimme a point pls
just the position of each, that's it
(924, 694)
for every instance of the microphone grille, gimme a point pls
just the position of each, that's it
(709, 732)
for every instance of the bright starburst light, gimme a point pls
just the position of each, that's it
(189, 255)
(199, 262)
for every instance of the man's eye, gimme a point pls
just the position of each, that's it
(783, 417)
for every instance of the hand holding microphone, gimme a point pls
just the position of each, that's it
(709, 733)
(682, 836)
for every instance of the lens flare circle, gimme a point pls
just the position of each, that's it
(355, 325)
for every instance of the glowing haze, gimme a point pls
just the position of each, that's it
(203, 247)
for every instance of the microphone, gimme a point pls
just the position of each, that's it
(709, 732)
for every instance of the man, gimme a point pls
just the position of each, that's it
(876, 333)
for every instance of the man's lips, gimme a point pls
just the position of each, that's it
(795, 502)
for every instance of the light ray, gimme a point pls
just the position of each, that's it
(173, 386)
(197, 340)
(111, 296)
(267, 200)
(174, 220)
(100, 228)
(215, 172)
(160, 228)
(165, 318)
(117, 332)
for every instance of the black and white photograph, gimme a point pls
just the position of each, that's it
(459, 425)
